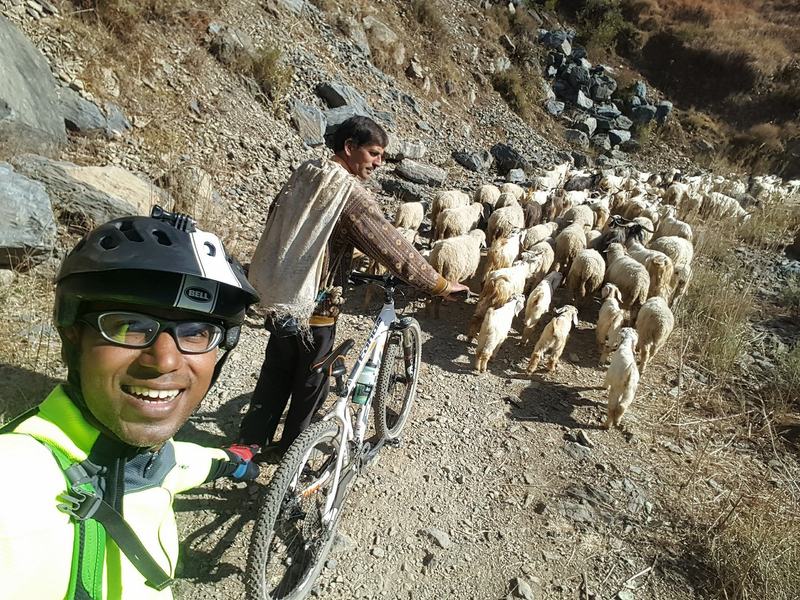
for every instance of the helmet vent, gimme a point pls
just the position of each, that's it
(162, 238)
(108, 243)
(129, 232)
(212, 250)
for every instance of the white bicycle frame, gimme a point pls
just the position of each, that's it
(343, 413)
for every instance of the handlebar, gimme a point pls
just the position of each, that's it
(385, 281)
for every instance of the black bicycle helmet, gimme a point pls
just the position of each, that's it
(158, 261)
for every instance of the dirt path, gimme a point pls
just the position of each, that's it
(495, 480)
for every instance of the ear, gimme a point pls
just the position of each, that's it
(575, 318)
(72, 334)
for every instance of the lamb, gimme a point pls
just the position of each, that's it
(457, 259)
(610, 319)
(409, 215)
(683, 277)
(554, 338)
(487, 194)
(503, 252)
(457, 221)
(720, 206)
(654, 325)
(503, 221)
(494, 331)
(500, 286)
(585, 275)
(669, 225)
(545, 253)
(678, 249)
(629, 276)
(569, 242)
(538, 233)
(601, 212)
(538, 303)
(447, 199)
(622, 377)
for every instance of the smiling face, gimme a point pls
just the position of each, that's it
(142, 395)
(361, 161)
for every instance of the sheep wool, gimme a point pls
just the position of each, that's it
(622, 377)
(654, 325)
(494, 331)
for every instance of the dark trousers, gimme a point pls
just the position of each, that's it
(287, 372)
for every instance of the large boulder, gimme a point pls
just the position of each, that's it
(80, 115)
(577, 137)
(27, 223)
(507, 158)
(231, 46)
(421, 173)
(338, 94)
(405, 191)
(88, 196)
(398, 149)
(474, 161)
(30, 117)
(586, 124)
(643, 114)
(310, 123)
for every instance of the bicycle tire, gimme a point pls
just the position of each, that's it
(281, 512)
(390, 415)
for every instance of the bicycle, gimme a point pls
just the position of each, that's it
(296, 524)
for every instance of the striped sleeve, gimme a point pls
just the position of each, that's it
(369, 231)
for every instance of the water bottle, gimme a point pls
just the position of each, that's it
(364, 384)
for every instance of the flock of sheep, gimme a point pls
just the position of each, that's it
(625, 238)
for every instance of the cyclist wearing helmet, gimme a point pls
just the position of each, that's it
(147, 309)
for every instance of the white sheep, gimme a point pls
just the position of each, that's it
(683, 277)
(719, 206)
(585, 275)
(622, 377)
(659, 267)
(654, 325)
(409, 215)
(593, 238)
(545, 251)
(670, 225)
(447, 199)
(569, 242)
(629, 276)
(538, 233)
(494, 331)
(538, 303)
(500, 286)
(554, 338)
(487, 194)
(609, 320)
(504, 221)
(506, 199)
(503, 252)
(680, 250)
(457, 258)
(457, 221)
(582, 214)
(512, 188)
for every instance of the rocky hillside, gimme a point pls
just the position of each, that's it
(505, 485)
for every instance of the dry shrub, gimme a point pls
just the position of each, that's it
(428, 14)
(755, 551)
(771, 225)
(511, 86)
(273, 77)
(716, 310)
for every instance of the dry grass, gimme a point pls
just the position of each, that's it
(272, 76)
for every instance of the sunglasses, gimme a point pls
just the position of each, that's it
(135, 330)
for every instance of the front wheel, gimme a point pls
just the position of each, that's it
(292, 534)
(397, 380)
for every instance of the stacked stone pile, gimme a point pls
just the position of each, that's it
(600, 115)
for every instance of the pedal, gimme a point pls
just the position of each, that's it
(395, 443)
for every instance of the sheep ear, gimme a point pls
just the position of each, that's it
(559, 311)
(575, 319)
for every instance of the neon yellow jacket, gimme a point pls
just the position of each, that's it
(36, 539)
